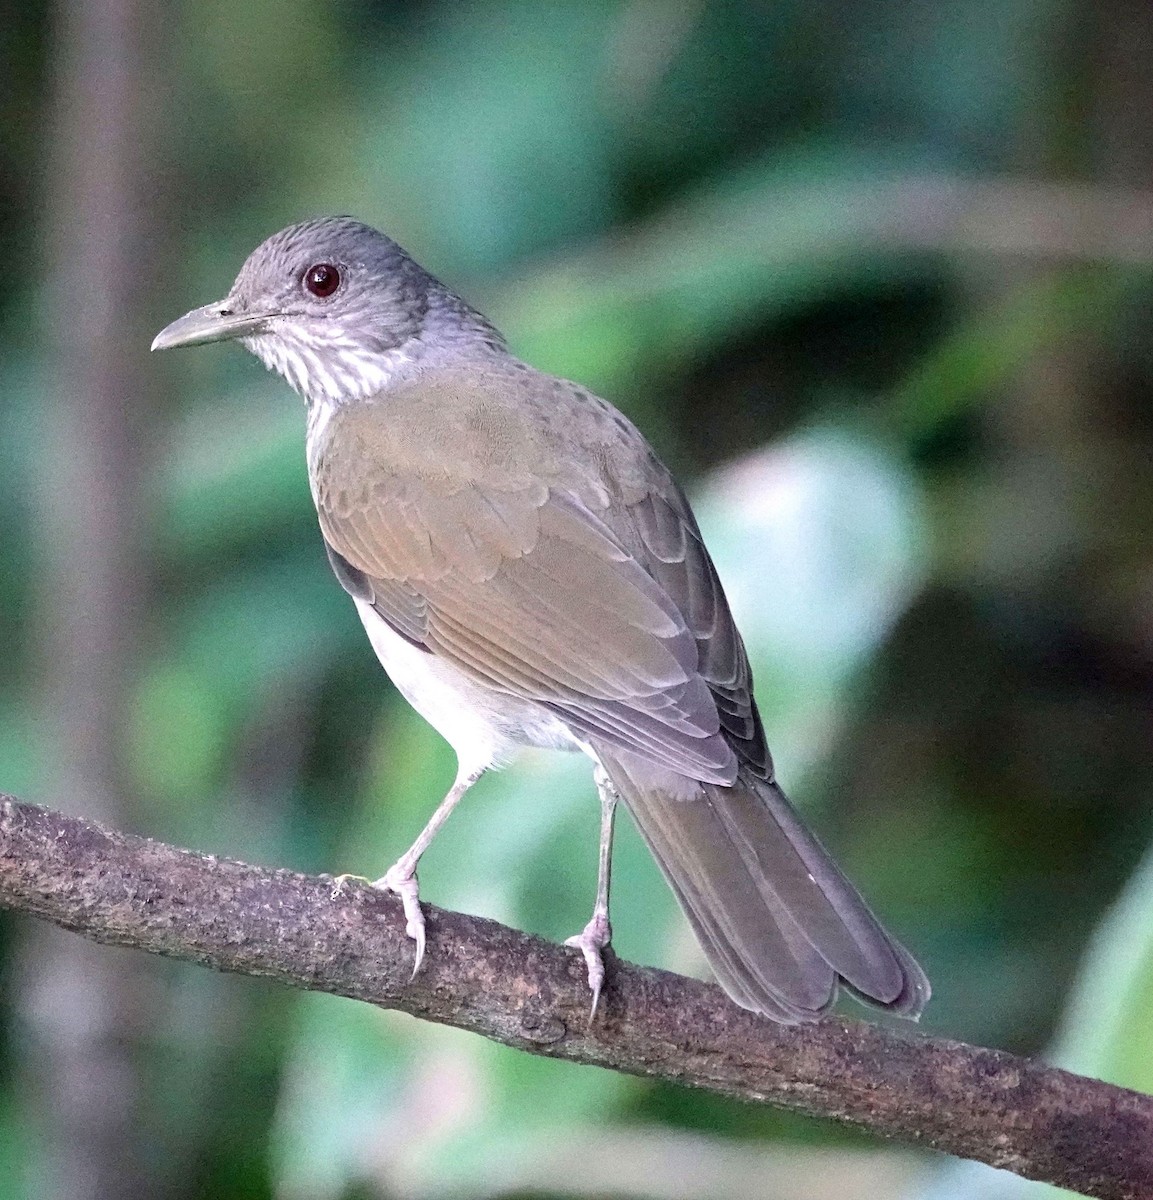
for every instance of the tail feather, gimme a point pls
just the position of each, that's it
(779, 923)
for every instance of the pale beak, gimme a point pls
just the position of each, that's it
(212, 323)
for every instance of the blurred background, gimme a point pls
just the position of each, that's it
(875, 277)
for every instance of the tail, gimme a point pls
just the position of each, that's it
(781, 927)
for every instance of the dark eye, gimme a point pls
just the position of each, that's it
(322, 279)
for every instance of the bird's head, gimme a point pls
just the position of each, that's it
(334, 306)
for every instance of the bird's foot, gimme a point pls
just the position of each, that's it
(400, 879)
(591, 940)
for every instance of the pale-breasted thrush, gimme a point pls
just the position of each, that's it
(529, 573)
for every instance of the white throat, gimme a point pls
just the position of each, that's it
(332, 370)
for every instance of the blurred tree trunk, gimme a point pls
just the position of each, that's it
(1093, 120)
(1120, 130)
(90, 1012)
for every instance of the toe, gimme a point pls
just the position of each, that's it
(590, 942)
(416, 932)
(403, 883)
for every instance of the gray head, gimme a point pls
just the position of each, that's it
(335, 307)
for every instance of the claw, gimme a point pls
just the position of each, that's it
(402, 882)
(595, 936)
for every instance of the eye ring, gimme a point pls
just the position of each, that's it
(321, 280)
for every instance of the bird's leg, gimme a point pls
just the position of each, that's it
(400, 878)
(597, 934)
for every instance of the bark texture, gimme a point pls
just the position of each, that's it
(1011, 1112)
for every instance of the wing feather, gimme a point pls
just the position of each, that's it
(608, 611)
(676, 555)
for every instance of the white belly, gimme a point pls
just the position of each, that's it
(483, 726)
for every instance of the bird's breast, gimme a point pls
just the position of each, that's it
(484, 727)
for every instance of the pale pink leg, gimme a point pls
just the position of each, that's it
(400, 878)
(597, 934)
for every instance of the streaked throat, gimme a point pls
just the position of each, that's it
(332, 370)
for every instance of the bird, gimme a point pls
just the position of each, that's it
(529, 573)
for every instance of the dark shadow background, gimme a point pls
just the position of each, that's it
(898, 252)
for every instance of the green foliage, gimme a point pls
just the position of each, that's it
(935, 536)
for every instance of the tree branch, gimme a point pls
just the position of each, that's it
(1011, 1112)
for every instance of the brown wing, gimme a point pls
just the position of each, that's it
(674, 553)
(591, 592)
(532, 593)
